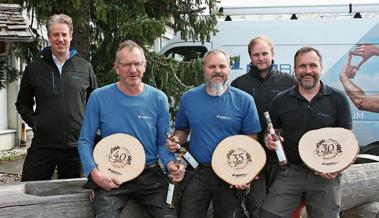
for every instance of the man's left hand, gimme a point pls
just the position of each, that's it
(327, 175)
(176, 171)
(241, 187)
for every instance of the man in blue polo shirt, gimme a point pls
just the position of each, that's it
(307, 106)
(210, 113)
(132, 107)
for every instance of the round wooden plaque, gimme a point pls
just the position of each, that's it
(328, 150)
(121, 156)
(238, 159)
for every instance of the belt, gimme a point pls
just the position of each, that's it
(206, 165)
(153, 165)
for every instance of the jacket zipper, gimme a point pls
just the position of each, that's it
(53, 80)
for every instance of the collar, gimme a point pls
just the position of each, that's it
(324, 90)
(56, 61)
(255, 72)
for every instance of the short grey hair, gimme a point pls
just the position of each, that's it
(129, 45)
(59, 19)
(216, 51)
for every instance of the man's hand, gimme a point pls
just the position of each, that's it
(241, 187)
(270, 143)
(348, 72)
(327, 175)
(172, 143)
(366, 51)
(176, 171)
(104, 181)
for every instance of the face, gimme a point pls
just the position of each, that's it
(60, 39)
(261, 55)
(216, 69)
(308, 70)
(130, 68)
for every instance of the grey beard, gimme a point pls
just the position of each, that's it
(217, 89)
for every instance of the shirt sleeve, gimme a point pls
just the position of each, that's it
(162, 128)
(250, 123)
(181, 121)
(344, 118)
(25, 100)
(90, 125)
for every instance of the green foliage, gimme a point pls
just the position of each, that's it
(7, 73)
(172, 77)
(110, 22)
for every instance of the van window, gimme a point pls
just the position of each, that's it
(186, 53)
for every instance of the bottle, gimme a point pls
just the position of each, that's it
(184, 153)
(279, 147)
(172, 190)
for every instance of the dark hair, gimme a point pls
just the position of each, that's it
(304, 50)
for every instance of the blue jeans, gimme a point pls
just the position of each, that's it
(149, 190)
(204, 186)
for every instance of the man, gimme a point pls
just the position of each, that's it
(307, 106)
(132, 107)
(210, 113)
(263, 82)
(359, 98)
(58, 84)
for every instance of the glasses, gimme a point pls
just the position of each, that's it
(127, 66)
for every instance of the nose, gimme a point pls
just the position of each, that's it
(132, 68)
(308, 69)
(60, 37)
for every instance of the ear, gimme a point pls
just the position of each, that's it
(116, 68)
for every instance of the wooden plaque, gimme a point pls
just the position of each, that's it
(328, 150)
(121, 156)
(238, 159)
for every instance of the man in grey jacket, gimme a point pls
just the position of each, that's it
(53, 94)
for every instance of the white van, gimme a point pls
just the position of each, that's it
(334, 37)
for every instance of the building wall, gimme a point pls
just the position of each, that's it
(3, 109)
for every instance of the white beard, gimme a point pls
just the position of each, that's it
(217, 89)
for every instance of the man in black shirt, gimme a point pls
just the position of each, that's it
(307, 106)
(263, 82)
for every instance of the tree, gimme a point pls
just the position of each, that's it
(100, 25)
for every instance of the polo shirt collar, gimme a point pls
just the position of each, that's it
(324, 90)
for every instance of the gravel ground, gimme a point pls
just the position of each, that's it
(7, 178)
(11, 155)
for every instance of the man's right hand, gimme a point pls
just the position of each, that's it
(104, 181)
(349, 71)
(172, 143)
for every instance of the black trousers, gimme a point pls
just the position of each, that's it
(149, 190)
(259, 189)
(40, 163)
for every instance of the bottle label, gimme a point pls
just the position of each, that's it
(272, 131)
(189, 158)
(280, 152)
(170, 193)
